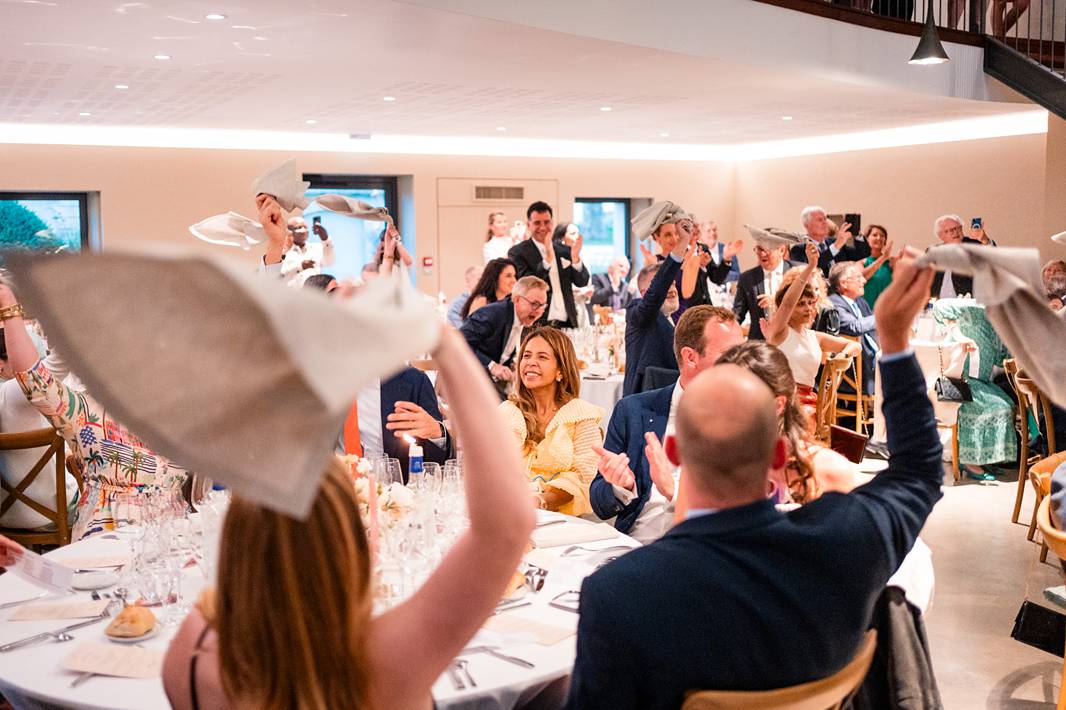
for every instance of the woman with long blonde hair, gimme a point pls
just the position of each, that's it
(498, 241)
(553, 428)
(290, 625)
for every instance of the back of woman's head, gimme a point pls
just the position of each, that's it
(319, 281)
(771, 366)
(486, 285)
(560, 232)
(293, 602)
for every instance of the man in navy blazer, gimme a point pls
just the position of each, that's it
(856, 317)
(494, 332)
(830, 251)
(628, 487)
(409, 406)
(740, 596)
(755, 283)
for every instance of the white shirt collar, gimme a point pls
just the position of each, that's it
(779, 269)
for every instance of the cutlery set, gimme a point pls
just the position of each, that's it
(61, 635)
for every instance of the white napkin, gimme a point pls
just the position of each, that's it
(651, 218)
(572, 534)
(351, 207)
(285, 183)
(771, 237)
(1059, 238)
(229, 374)
(229, 229)
(1008, 283)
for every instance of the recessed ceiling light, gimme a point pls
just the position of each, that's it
(85, 113)
(501, 129)
(214, 16)
(606, 108)
(162, 57)
(664, 134)
(786, 118)
(260, 39)
(121, 86)
(388, 98)
(242, 27)
(310, 121)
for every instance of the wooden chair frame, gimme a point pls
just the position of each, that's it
(54, 451)
(863, 404)
(1056, 540)
(828, 386)
(832, 692)
(1025, 457)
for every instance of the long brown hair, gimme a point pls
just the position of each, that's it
(492, 216)
(771, 366)
(565, 390)
(294, 601)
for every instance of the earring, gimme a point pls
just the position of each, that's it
(558, 378)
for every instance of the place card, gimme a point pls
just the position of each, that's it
(572, 534)
(42, 572)
(113, 660)
(61, 610)
(103, 561)
(543, 634)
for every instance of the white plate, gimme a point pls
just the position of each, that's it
(97, 579)
(152, 633)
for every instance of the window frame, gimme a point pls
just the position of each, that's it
(83, 207)
(627, 210)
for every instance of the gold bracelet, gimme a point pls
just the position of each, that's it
(12, 311)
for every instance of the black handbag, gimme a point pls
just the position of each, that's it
(951, 389)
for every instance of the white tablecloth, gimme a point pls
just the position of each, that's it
(31, 677)
(603, 393)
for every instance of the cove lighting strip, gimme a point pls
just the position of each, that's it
(1013, 124)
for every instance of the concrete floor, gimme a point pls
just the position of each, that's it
(984, 569)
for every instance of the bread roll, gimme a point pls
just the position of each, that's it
(134, 621)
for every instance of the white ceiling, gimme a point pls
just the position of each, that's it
(273, 66)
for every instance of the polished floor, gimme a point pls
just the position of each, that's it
(985, 568)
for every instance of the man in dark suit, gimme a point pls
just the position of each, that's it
(629, 486)
(722, 265)
(494, 332)
(948, 230)
(556, 264)
(830, 251)
(756, 287)
(611, 289)
(649, 330)
(846, 284)
(704, 606)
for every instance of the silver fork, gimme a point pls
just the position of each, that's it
(464, 666)
(575, 548)
(457, 680)
(60, 635)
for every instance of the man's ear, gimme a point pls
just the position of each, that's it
(780, 454)
(670, 448)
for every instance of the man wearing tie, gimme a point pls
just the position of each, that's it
(556, 264)
(494, 332)
(816, 225)
(846, 284)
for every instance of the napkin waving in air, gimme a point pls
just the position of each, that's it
(1007, 282)
(231, 375)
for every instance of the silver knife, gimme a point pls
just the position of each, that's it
(37, 638)
(457, 680)
(8, 605)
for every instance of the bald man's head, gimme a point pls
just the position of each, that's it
(728, 437)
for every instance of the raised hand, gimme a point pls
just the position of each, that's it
(659, 466)
(646, 254)
(409, 418)
(811, 249)
(732, 249)
(615, 469)
(684, 234)
(901, 302)
(270, 217)
(575, 250)
(320, 231)
(843, 235)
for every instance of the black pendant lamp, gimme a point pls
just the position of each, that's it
(930, 50)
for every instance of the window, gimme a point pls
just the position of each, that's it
(355, 241)
(604, 222)
(48, 222)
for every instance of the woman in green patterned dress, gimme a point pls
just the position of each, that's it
(986, 425)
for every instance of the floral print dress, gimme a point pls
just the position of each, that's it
(114, 461)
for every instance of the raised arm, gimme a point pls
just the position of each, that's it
(690, 272)
(274, 226)
(886, 254)
(777, 329)
(652, 302)
(21, 353)
(424, 634)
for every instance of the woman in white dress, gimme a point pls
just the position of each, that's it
(499, 240)
(790, 331)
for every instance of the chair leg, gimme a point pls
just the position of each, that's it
(1043, 552)
(955, 451)
(1023, 460)
(1062, 688)
(1032, 523)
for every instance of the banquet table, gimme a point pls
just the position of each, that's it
(603, 392)
(32, 677)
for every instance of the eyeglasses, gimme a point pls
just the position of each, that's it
(535, 305)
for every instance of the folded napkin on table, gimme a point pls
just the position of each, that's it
(1007, 282)
(231, 375)
(572, 533)
(230, 229)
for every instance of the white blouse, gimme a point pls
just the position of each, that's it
(804, 355)
(497, 248)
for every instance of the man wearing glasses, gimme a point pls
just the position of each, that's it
(495, 331)
(948, 230)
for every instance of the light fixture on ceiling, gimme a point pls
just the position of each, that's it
(122, 86)
(930, 50)
(786, 118)
(84, 113)
(259, 38)
(501, 129)
(664, 134)
(606, 108)
(388, 98)
(162, 57)
(310, 122)
(216, 16)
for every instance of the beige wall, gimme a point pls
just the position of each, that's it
(905, 189)
(152, 195)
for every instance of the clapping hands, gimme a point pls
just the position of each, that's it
(615, 469)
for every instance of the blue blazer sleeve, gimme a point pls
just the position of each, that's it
(478, 331)
(850, 324)
(901, 497)
(601, 492)
(426, 398)
(647, 309)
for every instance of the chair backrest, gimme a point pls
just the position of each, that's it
(1053, 537)
(1040, 403)
(825, 415)
(56, 515)
(603, 315)
(829, 692)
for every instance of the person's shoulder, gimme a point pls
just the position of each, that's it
(647, 400)
(408, 376)
(578, 410)
(521, 248)
(751, 274)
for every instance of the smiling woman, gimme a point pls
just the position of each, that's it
(555, 429)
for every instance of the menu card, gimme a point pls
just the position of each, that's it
(101, 561)
(61, 610)
(44, 573)
(543, 634)
(114, 660)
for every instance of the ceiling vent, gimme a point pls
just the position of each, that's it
(499, 193)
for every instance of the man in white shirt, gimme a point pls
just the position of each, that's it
(756, 286)
(635, 483)
(302, 256)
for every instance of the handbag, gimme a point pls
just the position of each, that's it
(951, 389)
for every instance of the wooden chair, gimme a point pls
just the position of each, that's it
(1056, 540)
(954, 428)
(1026, 458)
(603, 315)
(57, 515)
(825, 415)
(831, 692)
(1040, 478)
(862, 405)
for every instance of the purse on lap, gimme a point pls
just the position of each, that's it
(951, 389)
